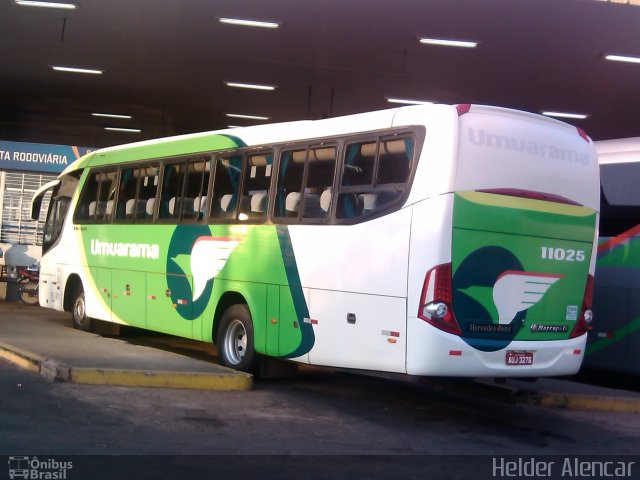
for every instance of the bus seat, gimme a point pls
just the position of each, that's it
(141, 208)
(259, 202)
(101, 208)
(149, 206)
(349, 205)
(200, 204)
(226, 202)
(109, 208)
(92, 208)
(368, 201)
(292, 203)
(325, 200)
(187, 205)
(172, 206)
(128, 207)
(311, 206)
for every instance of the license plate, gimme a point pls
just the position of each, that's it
(515, 357)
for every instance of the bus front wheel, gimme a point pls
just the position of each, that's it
(235, 339)
(79, 312)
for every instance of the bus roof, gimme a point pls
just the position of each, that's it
(622, 150)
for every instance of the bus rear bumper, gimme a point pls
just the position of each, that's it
(432, 352)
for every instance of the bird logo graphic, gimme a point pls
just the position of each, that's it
(516, 291)
(208, 257)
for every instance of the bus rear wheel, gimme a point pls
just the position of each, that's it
(235, 339)
(79, 312)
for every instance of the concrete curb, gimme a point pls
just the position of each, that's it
(588, 402)
(568, 401)
(55, 371)
(163, 379)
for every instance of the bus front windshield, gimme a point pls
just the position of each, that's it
(58, 207)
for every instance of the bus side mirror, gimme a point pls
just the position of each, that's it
(36, 204)
(36, 201)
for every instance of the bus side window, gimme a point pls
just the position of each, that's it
(321, 165)
(127, 194)
(394, 161)
(171, 192)
(103, 208)
(255, 190)
(226, 185)
(291, 172)
(147, 190)
(374, 175)
(195, 191)
(86, 208)
(358, 164)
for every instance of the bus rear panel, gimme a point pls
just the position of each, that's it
(511, 293)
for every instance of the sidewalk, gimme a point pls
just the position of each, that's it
(44, 341)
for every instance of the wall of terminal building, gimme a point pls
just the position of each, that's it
(25, 167)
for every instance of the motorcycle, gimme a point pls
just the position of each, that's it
(29, 278)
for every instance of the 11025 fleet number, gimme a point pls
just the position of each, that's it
(562, 254)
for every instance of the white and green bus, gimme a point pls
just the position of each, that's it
(426, 240)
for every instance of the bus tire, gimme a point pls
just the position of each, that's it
(79, 312)
(235, 339)
(29, 293)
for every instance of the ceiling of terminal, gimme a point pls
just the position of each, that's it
(165, 63)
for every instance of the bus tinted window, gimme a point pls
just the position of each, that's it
(373, 176)
(395, 161)
(255, 190)
(171, 193)
(287, 201)
(319, 180)
(147, 190)
(97, 199)
(226, 185)
(88, 197)
(304, 183)
(102, 209)
(127, 193)
(195, 190)
(358, 164)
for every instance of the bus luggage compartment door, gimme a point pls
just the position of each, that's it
(354, 330)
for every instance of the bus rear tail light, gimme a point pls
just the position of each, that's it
(586, 314)
(435, 301)
(463, 108)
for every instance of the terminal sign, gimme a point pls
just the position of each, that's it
(39, 157)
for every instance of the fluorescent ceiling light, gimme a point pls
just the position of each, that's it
(33, 3)
(252, 86)
(449, 43)
(234, 126)
(89, 71)
(406, 101)
(119, 129)
(622, 58)
(250, 117)
(575, 116)
(112, 115)
(249, 23)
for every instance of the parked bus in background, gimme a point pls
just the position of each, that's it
(614, 340)
(426, 240)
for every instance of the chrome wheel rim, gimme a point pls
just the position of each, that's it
(235, 342)
(79, 311)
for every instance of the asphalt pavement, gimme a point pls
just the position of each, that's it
(43, 340)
